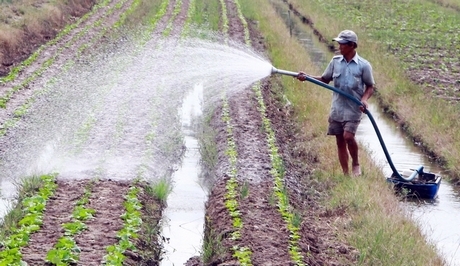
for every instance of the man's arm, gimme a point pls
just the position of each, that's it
(367, 94)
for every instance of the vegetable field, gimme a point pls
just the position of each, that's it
(92, 94)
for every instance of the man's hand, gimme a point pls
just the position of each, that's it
(302, 76)
(364, 106)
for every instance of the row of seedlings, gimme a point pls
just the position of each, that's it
(241, 253)
(188, 21)
(32, 209)
(176, 11)
(132, 222)
(66, 251)
(292, 219)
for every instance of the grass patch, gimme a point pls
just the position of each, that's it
(212, 244)
(160, 189)
(27, 188)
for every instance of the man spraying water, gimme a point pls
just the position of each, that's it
(351, 74)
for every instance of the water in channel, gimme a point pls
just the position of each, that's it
(437, 218)
(184, 215)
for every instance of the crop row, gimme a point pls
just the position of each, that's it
(176, 11)
(241, 253)
(292, 220)
(66, 251)
(132, 222)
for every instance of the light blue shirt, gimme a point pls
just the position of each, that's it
(352, 78)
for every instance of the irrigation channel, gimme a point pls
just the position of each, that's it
(184, 215)
(437, 218)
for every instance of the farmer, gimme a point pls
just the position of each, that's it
(353, 75)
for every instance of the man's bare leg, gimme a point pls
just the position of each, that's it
(353, 149)
(343, 153)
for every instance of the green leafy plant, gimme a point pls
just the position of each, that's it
(64, 252)
(82, 213)
(73, 228)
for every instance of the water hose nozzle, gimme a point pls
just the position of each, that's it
(284, 72)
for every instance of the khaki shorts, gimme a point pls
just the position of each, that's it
(337, 128)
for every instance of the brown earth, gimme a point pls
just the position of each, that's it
(264, 230)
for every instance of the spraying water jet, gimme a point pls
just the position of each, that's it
(418, 182)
